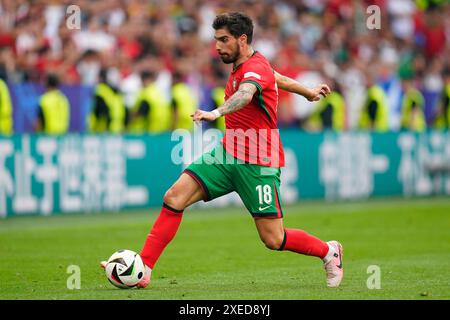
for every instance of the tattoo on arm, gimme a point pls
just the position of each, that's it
(239, 99)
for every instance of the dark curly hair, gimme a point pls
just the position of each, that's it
(237, 23)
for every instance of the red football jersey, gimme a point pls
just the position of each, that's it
(251, 133)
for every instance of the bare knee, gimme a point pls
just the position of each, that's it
(173, 198)
(184, 192)
(273, 241)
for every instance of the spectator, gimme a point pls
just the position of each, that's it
(374, 114)
(108, 111)
(443, 115)
(183, 103)
(413, 103)
(151, 112)
(303, 39)
(6, 115)
(330, 112)
(88, 67)
(54, 109)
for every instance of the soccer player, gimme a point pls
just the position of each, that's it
(249, 158)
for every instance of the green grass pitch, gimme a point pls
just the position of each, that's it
(217, 253)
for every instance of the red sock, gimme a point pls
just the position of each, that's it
(301, 242)
(163, 231)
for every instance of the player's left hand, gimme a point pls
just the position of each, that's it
(316, 93)
(200, 115)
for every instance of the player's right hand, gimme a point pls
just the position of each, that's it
(200, 115)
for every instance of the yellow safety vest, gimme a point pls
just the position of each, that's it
(6, 121)
(159, 116)
(185, 104)
(116, 108)
(381, 122)
(56, 110)
(443, 120)
(411, 97)
(336, 101)
(218, 95)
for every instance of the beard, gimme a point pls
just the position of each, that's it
(232, 57)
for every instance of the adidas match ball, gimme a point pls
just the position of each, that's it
(125, 269)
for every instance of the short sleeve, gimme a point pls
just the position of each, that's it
(258, 74)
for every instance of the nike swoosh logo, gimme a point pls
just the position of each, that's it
(263, 208)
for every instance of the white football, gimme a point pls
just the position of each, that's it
(125, 269)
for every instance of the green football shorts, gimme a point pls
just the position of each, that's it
(219, 173)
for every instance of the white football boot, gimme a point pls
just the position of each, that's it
(333, 264)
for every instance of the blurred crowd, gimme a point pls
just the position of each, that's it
(151, 62)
